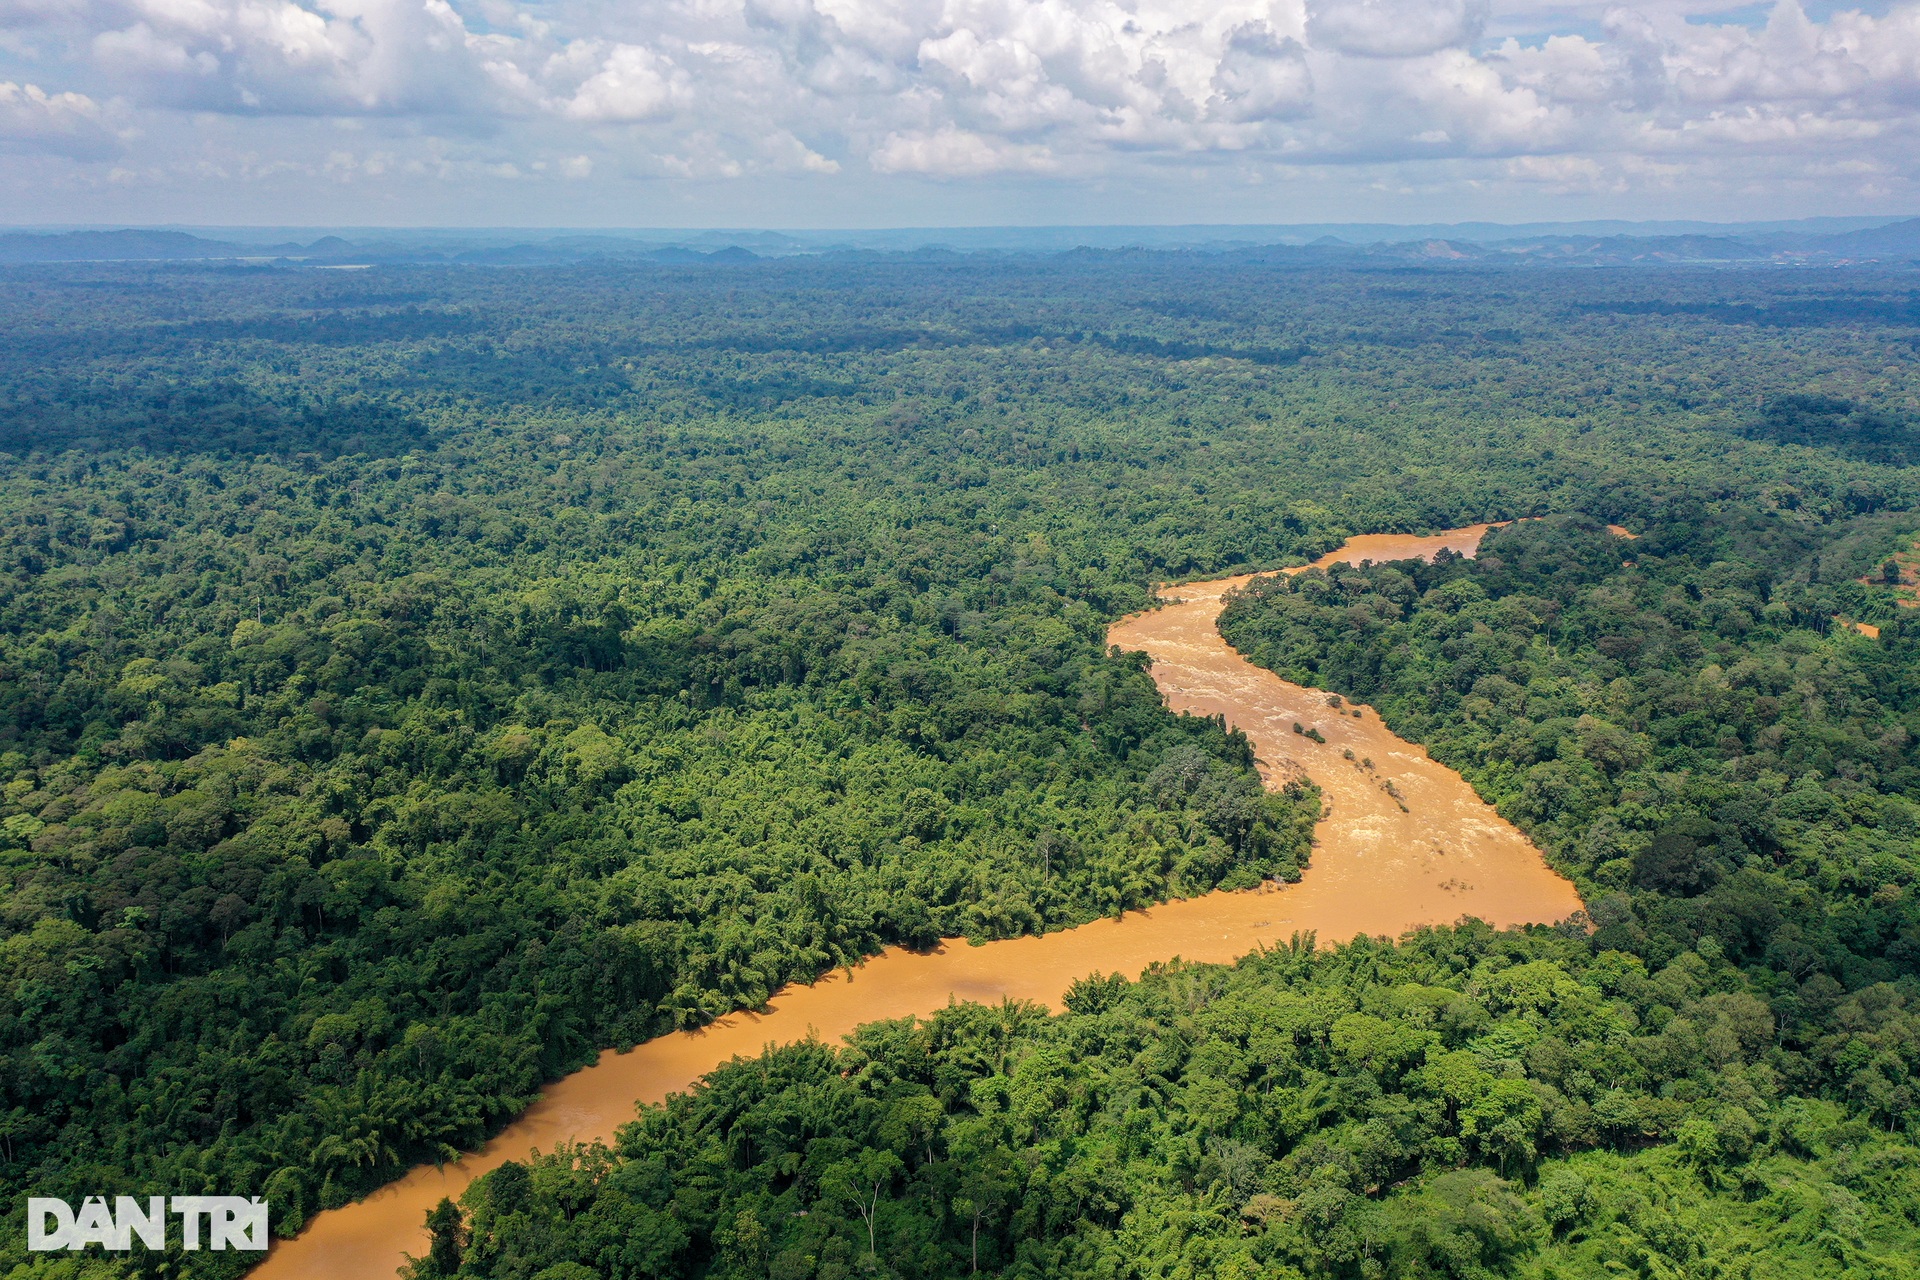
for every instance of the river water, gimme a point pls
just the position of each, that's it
(1426, 851)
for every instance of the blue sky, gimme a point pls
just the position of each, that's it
(822, 113)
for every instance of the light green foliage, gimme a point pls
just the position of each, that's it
(413, 682)
(1300, 1114)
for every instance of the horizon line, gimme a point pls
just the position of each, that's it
(29, 227)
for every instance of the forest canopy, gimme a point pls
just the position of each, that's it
(414, 680)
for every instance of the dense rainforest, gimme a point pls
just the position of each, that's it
(414, 680)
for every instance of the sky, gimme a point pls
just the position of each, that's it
(872, 113)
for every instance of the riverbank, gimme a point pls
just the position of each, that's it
(1405, 842)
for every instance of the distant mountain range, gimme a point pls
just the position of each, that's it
(1825, 241)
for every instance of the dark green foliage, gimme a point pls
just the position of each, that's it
(449, 1235)
(1674, 719)
(1828, 422)
(414, 680)
(230, 419)
(1464, 1105)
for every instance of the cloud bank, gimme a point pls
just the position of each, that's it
(1447, 96)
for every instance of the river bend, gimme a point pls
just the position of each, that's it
(1403, 843)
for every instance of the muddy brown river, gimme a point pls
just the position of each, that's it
(1402, 844)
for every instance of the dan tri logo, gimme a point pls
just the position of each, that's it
(230, 1222)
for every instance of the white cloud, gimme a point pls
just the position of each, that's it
(277, 57)
(1567, 69)
(66, 124)
(1481, 110)
(1261, 76)
(633, 83)
(1393, 28)
(1077, 89)
(957, 153)
(788, 153)
(138, 49)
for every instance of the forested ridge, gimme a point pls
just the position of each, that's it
(413, 681)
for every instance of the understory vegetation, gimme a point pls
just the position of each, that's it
(413, 681)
